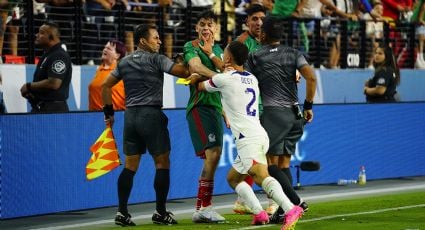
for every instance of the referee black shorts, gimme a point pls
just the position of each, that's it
(283, 127)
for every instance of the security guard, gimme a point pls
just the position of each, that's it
(50, 87)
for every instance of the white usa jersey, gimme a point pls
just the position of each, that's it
(239, 97)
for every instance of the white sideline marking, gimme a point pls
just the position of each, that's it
(342, 215)
(227, 206)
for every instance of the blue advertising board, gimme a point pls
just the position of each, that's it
(43, 157)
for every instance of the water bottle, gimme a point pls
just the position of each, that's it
(345, 182)
(362, 176)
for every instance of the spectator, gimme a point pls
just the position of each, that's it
(419, 18)
(374, 29)
(285, 8)
(229, 8)
(10, 10)
(396, 11)
(50, 87)
(382, 86)
(112, 52)
(330, 34)
(100, 26)
(145, 125)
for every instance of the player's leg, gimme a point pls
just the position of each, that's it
(278, 122)
(240, 206)
(162, 187)
(158, 143)
(274, 190)
(134, 146)
(284, 165)
(250, 153)
(125, 184)
(206, 131)
(245, 192)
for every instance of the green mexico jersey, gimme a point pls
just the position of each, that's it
(249, 41)
(253, 45)
(191, 50)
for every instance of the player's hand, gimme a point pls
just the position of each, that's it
(228, 67)
(208, 44)
(109, 122)
(297, 76)
(308, 115)
(24, 91)
(226, 120)
(194, 78)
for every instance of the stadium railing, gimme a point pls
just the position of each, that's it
(85, 33)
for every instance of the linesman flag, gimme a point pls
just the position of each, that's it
(104, 157)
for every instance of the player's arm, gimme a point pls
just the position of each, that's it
(180, 70)
(310, 77)
(196, 66)
(211, 85)
(108, 109)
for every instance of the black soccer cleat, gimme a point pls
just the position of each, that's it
(304, 206)
(277, 217)
(166, 219)
(123, 220)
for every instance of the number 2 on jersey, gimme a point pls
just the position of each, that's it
(249, 110)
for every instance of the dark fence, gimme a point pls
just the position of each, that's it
(329, 43)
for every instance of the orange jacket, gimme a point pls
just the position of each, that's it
(95, 90)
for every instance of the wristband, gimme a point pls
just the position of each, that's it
(307, 105)
(28, 85)
(108, 110)
(212, 55)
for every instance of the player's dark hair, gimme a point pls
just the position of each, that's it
(142, 31)
(239, 52)
(207, 14)
(389, 62)
(273, 28)
(255, 8)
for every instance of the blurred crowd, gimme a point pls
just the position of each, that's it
(101, 21)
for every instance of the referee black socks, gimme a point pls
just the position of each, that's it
(162, 186)
(125, 183)
(289, 191)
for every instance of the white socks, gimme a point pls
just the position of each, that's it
(248, 196)
(274, 190)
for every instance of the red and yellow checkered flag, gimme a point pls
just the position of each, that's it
(104, 157)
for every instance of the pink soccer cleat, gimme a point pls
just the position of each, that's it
(260, 218)
(291, 218)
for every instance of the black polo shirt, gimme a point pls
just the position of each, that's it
(55, 63)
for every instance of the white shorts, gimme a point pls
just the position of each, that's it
(250, 152)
